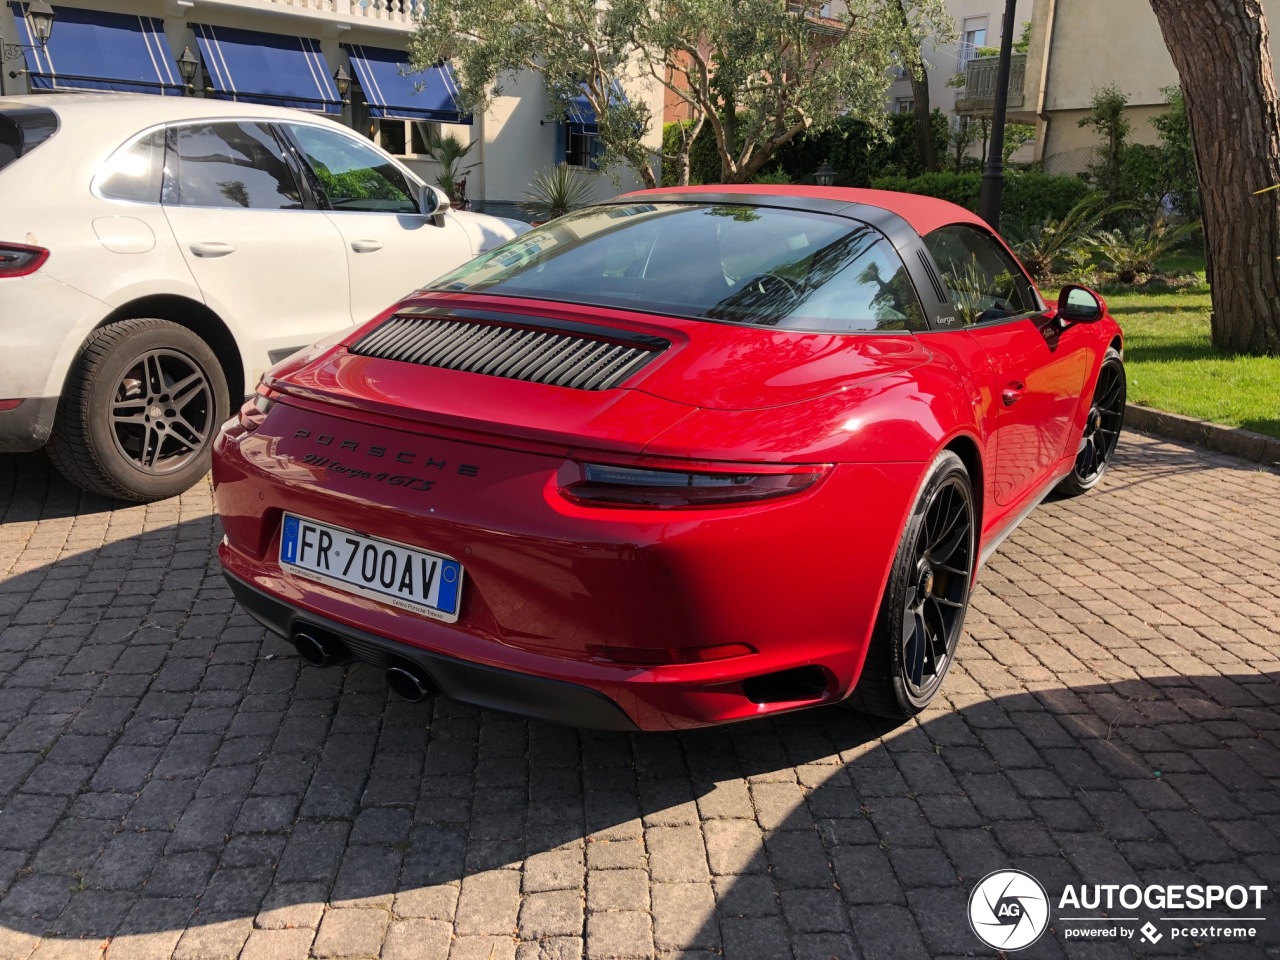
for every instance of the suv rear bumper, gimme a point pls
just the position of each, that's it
(27, 426)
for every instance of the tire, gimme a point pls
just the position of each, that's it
(1102, 429)
(922, 611)
(119, 431)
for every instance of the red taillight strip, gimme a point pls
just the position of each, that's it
(19, 259)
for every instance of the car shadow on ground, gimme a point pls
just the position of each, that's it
(167, 766)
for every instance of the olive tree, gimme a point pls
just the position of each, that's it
(758, 72)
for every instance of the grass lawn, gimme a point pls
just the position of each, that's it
(1172, 365)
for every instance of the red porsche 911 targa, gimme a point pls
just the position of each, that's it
(683, 457)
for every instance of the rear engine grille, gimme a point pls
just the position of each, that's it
(556, 353)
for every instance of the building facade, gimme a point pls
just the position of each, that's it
(1118, 44)
(286, 52)
(978, 25)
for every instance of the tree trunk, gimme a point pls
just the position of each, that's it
(919, 76)
(1222, 51)
(924, 119)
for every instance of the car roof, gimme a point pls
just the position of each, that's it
(116, 109)
(924, 214)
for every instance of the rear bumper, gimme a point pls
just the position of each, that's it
(519, 693)
(552, 586)
(27, 426)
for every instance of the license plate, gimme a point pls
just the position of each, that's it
(404, 577)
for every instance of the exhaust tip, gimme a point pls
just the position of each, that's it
(319, 651)
(409, 683)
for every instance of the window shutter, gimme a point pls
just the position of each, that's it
(562, 143)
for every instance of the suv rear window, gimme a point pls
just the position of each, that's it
(22, 129)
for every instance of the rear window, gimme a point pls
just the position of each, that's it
(22, 129)
(790, 269)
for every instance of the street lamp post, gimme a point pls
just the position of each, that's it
(992, 198)
(825, 175)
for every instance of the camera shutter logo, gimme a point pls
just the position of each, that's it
(1008, 910)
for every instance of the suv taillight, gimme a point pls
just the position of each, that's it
(18, 259)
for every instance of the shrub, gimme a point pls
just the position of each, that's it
(1057, 245)
(555, 191)
(1132, 253)
(1028, 197)
(776, 176)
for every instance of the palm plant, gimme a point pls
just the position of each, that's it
(555, 191)
(1134, 252)
(1054, 246)
(449, 151)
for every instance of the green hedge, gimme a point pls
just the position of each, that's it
(1028, 197)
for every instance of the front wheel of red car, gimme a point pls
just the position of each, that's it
(1101, 430)
(922, 611)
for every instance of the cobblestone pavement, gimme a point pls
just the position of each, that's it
(174, 782)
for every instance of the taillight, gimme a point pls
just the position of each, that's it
(18, 259)
(643, 487)
(255, 411)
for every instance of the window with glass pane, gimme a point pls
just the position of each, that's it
(228, 165)
(986, 285)
(789, 269)
(134, 173)
(352, 176)
(579, 148)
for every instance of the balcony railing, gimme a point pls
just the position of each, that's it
(980, 79)
(394, 11)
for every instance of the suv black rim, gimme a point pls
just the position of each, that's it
(162, 412)
(1102, 431)
(939, 589)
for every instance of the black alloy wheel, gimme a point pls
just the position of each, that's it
(1101, 430)
(922, 612)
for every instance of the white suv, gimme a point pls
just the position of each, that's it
(158, 253)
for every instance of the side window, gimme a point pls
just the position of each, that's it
(134, 172)
(985, 284)
(857, 284)
(352, 176)
(228, 165)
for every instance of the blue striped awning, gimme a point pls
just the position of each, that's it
(93, 50)
(392, 93)
(253, 67)
(581, 115)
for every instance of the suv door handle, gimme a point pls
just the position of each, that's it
(212, 248)
(1013, 392)
(366, 246)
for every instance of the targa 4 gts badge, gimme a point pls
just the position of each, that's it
(1008, 910)
(373, 456)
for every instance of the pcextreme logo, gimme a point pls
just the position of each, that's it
(1010, 910)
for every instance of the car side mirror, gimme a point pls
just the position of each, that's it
(1077, 304)
(431, 202)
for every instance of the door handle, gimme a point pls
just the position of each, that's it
(212, 248)
(1013, 392)
(366, 246)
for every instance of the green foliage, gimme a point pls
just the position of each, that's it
(1028, 197)
(1057, 245)
(1016, 136)
(1133, 252)
(555, 191)
(1179, 154)
(1107, 117)
(449, 151)
(860, 151)
(777, 176)
(577, 46)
